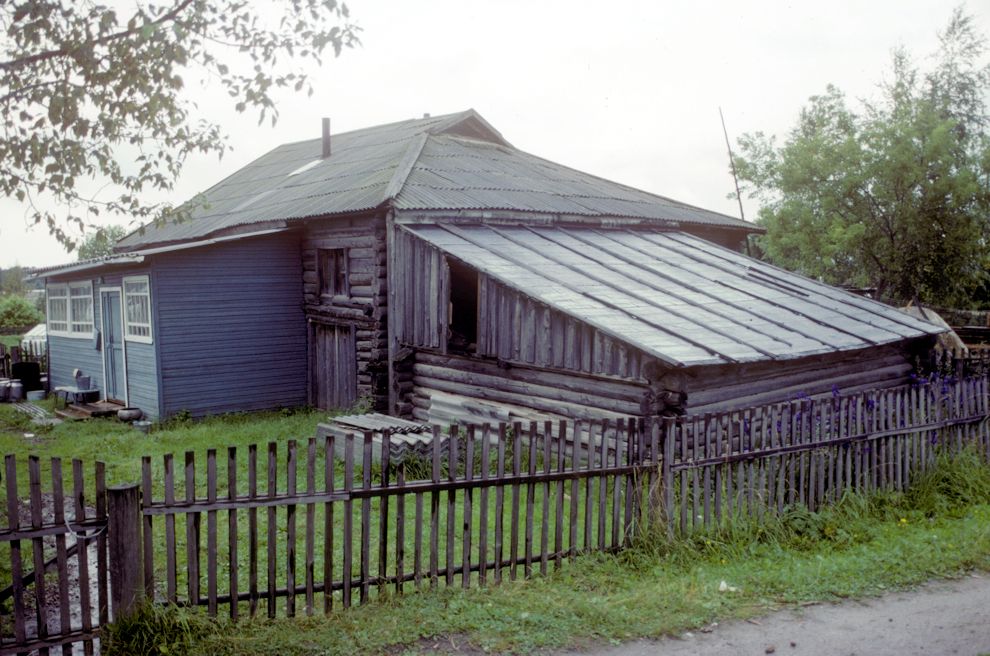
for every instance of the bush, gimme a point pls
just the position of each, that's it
(16, 312)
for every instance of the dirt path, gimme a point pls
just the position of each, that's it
(944, 617)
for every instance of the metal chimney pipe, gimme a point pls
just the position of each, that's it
(326, 138)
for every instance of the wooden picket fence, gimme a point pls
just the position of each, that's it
(314, 526)
(61, 532)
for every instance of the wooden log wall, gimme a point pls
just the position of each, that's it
(714, 389)
(453, 388)
(513, 327)
(366, 307)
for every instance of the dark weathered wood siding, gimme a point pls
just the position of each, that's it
(461, 388)
(511, 326)
(231, 331)
(364, 309)
(421, 294)
(714, 389)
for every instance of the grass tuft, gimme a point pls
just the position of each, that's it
(156, 629)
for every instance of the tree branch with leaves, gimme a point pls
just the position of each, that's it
(92, 93)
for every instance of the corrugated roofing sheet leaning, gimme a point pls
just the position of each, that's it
(675, 296)
(464, 164)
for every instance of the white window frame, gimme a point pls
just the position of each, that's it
(143, 339)
(62, 295)
(66, 293)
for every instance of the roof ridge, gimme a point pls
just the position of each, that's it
(405, 166)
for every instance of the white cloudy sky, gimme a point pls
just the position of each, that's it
(627, 89)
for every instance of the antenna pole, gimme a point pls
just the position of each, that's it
(732, 163)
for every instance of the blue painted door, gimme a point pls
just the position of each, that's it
(113, 347)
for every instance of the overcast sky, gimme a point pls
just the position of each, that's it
(628, 90)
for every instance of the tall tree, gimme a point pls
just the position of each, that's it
(894, 194)
(96, 90)
(100, 243)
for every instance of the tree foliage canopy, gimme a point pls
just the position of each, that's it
(894, 195)
(100, 243)
(97, 91)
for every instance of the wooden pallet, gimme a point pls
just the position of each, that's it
(89, 410)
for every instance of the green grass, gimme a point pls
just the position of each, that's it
(633, 595)
(863, 546)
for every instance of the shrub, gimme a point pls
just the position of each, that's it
(16, 312)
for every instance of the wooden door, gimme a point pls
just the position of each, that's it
(114, 363)
(332, 366)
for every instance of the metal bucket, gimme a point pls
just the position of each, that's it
(16, 391)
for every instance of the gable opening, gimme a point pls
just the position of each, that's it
(462, 333)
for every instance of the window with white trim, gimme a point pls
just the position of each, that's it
(81, 308)
(70, 309)
(58, 308)
(137, 309)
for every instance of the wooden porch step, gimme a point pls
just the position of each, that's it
(88, 410)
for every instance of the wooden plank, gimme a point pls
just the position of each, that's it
(310, 539)
(386, 450)
(590, 455)
(572, 536)
(148, 527)
(558, 534)
(82, 554)
(435, 511)
(16, 566)
(102, 567)
(192, 533)
(545, 519)
(621, 448)
(233, 560)
(468, 518)
(514, 515)
(603, 486)
(272, 528)
(328, 524)
(483, 506)
(171, 575)
(499, 502)
(291, 465)
(211, 533)
(253, 531)
(348, 537)
(38, 549)
(61, 553)
(530, 501)
(400, 529)
(366, 459)
(452, 464)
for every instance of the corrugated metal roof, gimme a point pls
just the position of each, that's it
(673, 295)
(453, 162)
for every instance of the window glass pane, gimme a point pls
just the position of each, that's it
(137, 308)
(81, 308)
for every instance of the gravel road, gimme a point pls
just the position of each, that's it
(943, 617)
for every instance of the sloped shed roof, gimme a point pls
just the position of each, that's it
(453, 162)
(677, 297)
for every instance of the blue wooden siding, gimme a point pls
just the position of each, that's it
(68, 354)
(231, 330)
(142, 378)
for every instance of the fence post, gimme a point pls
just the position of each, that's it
(124, 535)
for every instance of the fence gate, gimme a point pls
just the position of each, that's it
(56, 589)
